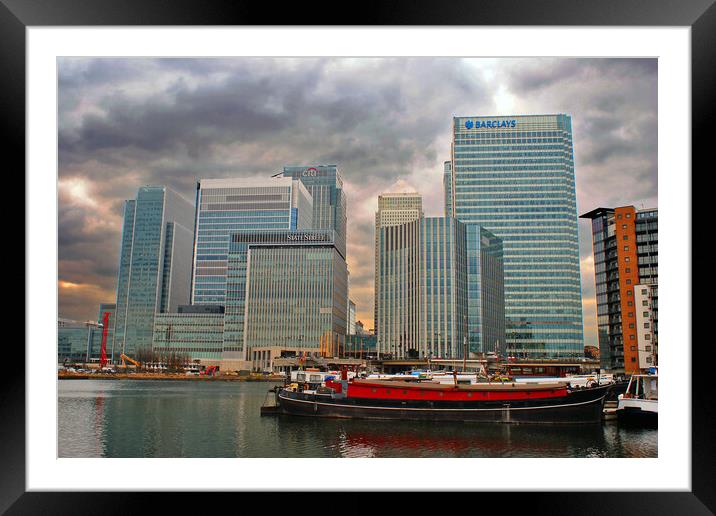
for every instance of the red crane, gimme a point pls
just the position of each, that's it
(105, 329)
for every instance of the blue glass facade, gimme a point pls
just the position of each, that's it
(443, 285)
(440, 289)
(76, 339)
(198, 335)
(154, 269)
(225, 206)
(284, 289)
(515, 177)
(485, 291)
(329, 200)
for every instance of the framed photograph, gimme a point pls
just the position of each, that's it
(437, 225)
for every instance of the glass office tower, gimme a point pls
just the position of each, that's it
(285, 291)
(514, 175)
(440, 280)
(325, 184)
(224, 206)
(196, 331)
(155, 264)
(393, 209)
(75, 340)
(485, 291)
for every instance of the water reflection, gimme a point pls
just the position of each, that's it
(106, 418)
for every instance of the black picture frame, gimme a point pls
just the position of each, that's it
(700, 15)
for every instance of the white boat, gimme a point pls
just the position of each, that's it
(640, 402)
(575, 381)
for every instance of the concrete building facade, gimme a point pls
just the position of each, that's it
(393, 209)
(625, 247)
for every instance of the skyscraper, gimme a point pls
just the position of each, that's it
(626, 271)
(351, 318)
(393, 209)
(224, 206)
(325, 184)
(287, 291)
(514, 176)
(440, 292)
(155, 264)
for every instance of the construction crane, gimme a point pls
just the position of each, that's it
(210, 371)
(103, 351)
(128, 359)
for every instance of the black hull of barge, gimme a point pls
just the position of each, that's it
(635, 417)
(580, 406)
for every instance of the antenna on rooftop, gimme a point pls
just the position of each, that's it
(276, 175)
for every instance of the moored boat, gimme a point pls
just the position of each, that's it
(504, 402)
(639, 405)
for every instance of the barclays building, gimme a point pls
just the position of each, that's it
(514, 176)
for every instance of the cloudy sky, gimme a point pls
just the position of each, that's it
(385, 122)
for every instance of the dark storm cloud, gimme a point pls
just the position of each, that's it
(613, 103)
(362, 116)
(128, 122)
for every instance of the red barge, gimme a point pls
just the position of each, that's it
(505, 402)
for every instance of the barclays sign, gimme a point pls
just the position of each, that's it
(489, 124)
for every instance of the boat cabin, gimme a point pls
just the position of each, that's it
(643, 387)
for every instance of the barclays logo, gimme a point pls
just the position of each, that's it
(490, 124)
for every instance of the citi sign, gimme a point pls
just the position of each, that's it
(490, 124)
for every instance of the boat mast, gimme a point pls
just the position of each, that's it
(464, 344)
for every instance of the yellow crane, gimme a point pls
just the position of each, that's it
(128, 359)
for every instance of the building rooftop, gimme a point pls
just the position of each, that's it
(245, 181)
(597, 212)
